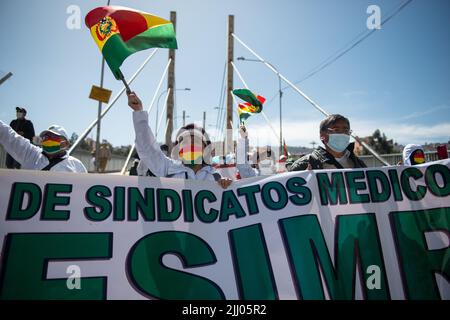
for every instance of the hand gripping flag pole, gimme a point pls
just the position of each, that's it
(127, 87)
(133, 147)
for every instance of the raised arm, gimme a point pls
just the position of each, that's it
(148, 149)
(244, 168)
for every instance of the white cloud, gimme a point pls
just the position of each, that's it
(423, 113)
(354, 93)
(302, 133)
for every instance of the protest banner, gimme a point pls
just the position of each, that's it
(375, 233)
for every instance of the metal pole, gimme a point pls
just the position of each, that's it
(8, 75)
(99, 115)
(164, 109)
(204, 120)
(281, 115)
(315, 105)
(124, 168)
(94, 123)
(184, 118)
(157, 110)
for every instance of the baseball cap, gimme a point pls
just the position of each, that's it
(18, 109)
(58, 130)
(192, 130)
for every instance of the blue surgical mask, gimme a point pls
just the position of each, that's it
(338, 141)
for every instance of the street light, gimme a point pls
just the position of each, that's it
(157, 104)
(184, 116)
(280, 93)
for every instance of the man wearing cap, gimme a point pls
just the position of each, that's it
(190, 156)
(23, 127)
(52, 156)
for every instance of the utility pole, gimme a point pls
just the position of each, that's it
(171, 85)
(204, 120)
(184, 118)
(99, 117)
(229, 118)
(281, 115)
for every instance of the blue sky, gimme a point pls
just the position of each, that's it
(397, 80)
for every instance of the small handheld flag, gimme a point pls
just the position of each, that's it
(253, 104)
(120, 32)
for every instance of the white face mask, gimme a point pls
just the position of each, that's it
(338, 141)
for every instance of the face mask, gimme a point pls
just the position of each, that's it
(191, 155)
(417, 157)
(338, 141)
(52, 145)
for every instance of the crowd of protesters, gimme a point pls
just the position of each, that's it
(191, 156)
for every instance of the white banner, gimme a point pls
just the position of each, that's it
(376, 233)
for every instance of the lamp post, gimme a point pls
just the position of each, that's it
(184, 116)
(280, 93)
(157, 105)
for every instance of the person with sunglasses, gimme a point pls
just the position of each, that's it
(191, 154)
(337, 152)
(52, 156)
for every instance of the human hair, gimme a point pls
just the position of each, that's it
(331, 120)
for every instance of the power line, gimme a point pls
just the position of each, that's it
(344, 50)
(220, 102)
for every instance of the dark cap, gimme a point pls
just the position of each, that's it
(21, 110)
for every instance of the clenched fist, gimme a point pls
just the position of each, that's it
(134, 102)
(225, 182)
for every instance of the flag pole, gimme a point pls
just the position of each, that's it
(127, 87)
(110, 105)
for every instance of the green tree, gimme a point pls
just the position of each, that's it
(380, 143)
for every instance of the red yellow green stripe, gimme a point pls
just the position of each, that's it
(120, 32)
(191, 153)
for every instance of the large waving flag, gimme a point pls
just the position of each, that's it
(253, 103)
(120, 32)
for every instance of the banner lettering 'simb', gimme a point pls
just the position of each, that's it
(376, 233)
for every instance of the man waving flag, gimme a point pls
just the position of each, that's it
(120, 32)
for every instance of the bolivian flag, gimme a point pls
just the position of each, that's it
(120, 32)
(191, 154)
(52, 145)
(253, 104)
(418, 157)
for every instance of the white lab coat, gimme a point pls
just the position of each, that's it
(154, 159)
(244, 168)
(30, 156)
